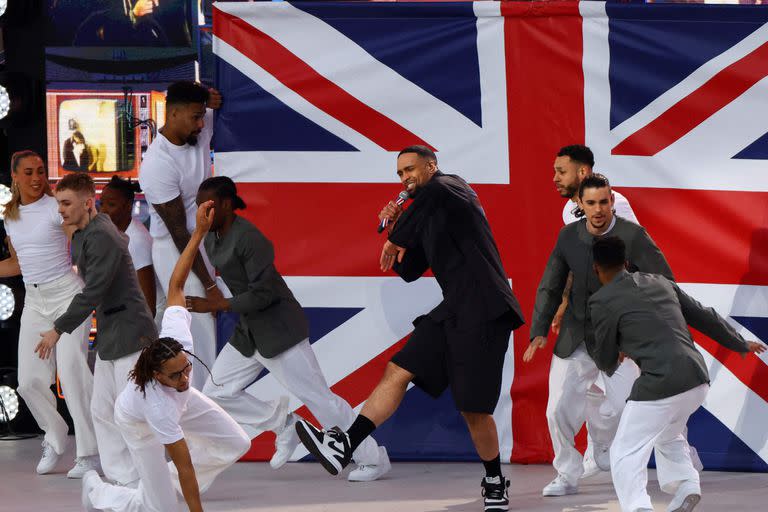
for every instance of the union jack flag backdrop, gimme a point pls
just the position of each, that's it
(319, 97)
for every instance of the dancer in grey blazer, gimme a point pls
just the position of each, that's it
(644, 317)
(123, 319)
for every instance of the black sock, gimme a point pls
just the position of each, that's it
(360, 429)
(493, 467)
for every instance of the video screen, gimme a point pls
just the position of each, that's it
(99, 132)
(121, 22)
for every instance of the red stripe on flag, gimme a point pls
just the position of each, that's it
(354, 388)
(688, 113)
(545, 83)
(298, 76)
(708, 236)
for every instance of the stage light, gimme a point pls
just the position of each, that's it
(5, 101)
(5, 196)
(9, 404)
(7, 302)
(3, 6)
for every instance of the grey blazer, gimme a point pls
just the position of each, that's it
(123, 319)
(573, 253)
(646, 316)
(271, 319)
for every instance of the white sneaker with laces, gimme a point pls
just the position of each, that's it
(559, 487)
(590, 468)
(686, 498)
(285, 443)
(49, 459)
(371, 472)
(83, 465)
(91, 479)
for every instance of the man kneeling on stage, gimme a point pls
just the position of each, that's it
(644, 317)
(160, 410)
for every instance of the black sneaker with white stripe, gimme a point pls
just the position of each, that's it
(495, 493)
(331, 447)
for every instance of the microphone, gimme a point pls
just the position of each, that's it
(401, 198)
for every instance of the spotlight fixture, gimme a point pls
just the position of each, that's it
(7, 302)
(5, 100)
(5, 195)
(9, 401)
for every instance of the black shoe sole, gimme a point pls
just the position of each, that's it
(309, 442)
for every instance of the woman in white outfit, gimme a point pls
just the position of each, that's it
(161, 410)
(39, 251)
(117, 200)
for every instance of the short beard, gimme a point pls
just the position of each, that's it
(192, 140)
(569, 192)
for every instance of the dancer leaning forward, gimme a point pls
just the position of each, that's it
(159, 413)
(644, 317)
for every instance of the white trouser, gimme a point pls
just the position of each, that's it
(647, 425)
(42, 305)
(109, 380)
(570, 380)
(298, 371)
(164, 258)
(215, 442)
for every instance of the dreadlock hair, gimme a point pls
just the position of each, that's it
(127, 188)
(152, 358)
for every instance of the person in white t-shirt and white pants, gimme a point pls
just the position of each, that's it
(117, 200)
(175, 164)
(159, 413)
(39, 251)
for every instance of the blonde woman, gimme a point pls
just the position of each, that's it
(39, 252)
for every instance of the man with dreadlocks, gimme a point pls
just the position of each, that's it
(160, 409)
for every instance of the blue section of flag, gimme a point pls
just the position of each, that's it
(758, 150)
(719, 448)
(756, 324)
(436, 51)
(251, 119)
(653, 47)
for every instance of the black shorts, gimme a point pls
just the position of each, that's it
(469, 359)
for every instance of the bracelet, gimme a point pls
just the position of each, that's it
(211, 287)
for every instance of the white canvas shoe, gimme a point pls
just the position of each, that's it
(285, 444)
(49, 459)
(686, 498)
(83, 465)
(559, 487)
(371, 472)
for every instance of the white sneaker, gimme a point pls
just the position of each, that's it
(602, 457)
(90, 480)
(559, 487)
(590, 468)
(285, 444)
(686, 498)
(49, 459)
(371, 472)
(83, 465)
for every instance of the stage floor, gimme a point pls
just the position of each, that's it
(409, 487)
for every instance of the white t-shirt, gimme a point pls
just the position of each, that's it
(139, 244)
(621, 205)
(162, 407)
(169, 171)
(40, 242)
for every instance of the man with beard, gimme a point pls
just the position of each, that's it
(462, 342)
(573, 371)
(175, 164)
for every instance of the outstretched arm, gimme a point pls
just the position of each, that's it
(188, 255)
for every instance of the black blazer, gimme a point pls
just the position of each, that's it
(445, 229)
